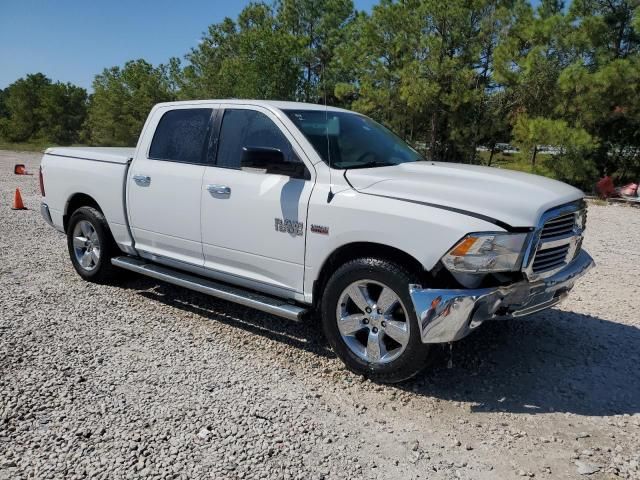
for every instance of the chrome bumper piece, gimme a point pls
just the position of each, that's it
(449, 315)
(44, 211)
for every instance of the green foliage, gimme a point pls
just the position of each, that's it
(532, 132)
(33, 108)
(447, 76)
(3, 105)
(600, 90)
(283, 53)
(424, 68)
(319, 27)
(251, 58)
(573, 162)
(122, 99)
(517, 161)
(64, 110)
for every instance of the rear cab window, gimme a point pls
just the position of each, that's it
(182, 135)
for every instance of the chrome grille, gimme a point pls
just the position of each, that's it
(559, 226)
(550, 258)
(559, 240)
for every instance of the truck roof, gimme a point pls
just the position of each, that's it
(279, 104)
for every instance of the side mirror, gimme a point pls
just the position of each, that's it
(263, 158)
(272, 160)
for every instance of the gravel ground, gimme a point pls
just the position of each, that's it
(150, 380)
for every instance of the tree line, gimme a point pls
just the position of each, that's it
(447, 76)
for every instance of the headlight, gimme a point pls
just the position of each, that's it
(486, 252)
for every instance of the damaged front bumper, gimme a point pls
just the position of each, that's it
(449, 315)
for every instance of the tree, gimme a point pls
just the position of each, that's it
(251, 58)
(63, 111)
(606, 102)
(601, 88)
(494, 125)
(531, 55)
(23, 100)
(122, 100)
(376, 56)
(317, 27)
(575, 146)
(424, 68)
(447, 76)
(4, 113)
(34, 108)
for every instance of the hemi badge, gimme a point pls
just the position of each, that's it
(321, 229)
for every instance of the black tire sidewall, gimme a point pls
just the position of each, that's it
(104, 269)
(413, 359)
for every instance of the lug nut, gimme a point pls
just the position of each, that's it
(379, 311)
(375, 330)
(368, 310)
(365, 321)
(383, 324)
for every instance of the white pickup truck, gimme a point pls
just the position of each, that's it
(293, 208)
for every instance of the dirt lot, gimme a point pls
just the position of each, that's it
(150, 380)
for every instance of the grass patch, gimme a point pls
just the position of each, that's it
(34, 146)
(24, 146)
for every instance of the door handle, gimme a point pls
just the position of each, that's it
(142, 180)
(219, 191)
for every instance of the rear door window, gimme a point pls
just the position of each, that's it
(182, 136)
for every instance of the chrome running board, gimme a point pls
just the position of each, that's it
(247, 298)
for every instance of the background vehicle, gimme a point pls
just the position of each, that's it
(291, 208)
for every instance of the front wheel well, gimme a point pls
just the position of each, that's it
(355, 250)
(76, 201)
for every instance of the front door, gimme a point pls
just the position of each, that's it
(254, 223)
(165, 181)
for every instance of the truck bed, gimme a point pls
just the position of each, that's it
(100, 154)
(96, 172)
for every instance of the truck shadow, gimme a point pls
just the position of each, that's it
(554, 361)
(305, 336)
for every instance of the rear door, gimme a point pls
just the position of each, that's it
(254, 223)
(165, 181)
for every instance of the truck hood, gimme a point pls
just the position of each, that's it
(506, 196)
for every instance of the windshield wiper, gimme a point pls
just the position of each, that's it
(371, 165)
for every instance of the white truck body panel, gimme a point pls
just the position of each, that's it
(421, 209)
(473, 188)
(423, 232)
(96, 172)
(99, 154)
(238, 231)
(165, 215)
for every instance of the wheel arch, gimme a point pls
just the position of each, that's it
(355, 250)
(76, 201)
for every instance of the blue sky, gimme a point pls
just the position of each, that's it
(72, 40)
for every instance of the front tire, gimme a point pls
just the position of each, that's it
(369, 320)
(91, 246)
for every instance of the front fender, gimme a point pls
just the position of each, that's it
(425, 233)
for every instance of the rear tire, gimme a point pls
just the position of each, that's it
(91, 245)
(369, 320)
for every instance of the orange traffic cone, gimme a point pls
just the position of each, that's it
(20, 169)
(17, 201)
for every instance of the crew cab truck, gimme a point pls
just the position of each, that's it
(293, 208)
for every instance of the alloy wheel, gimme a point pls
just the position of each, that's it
(372, 321)
(86, 245)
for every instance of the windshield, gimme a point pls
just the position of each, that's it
(348, 140)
